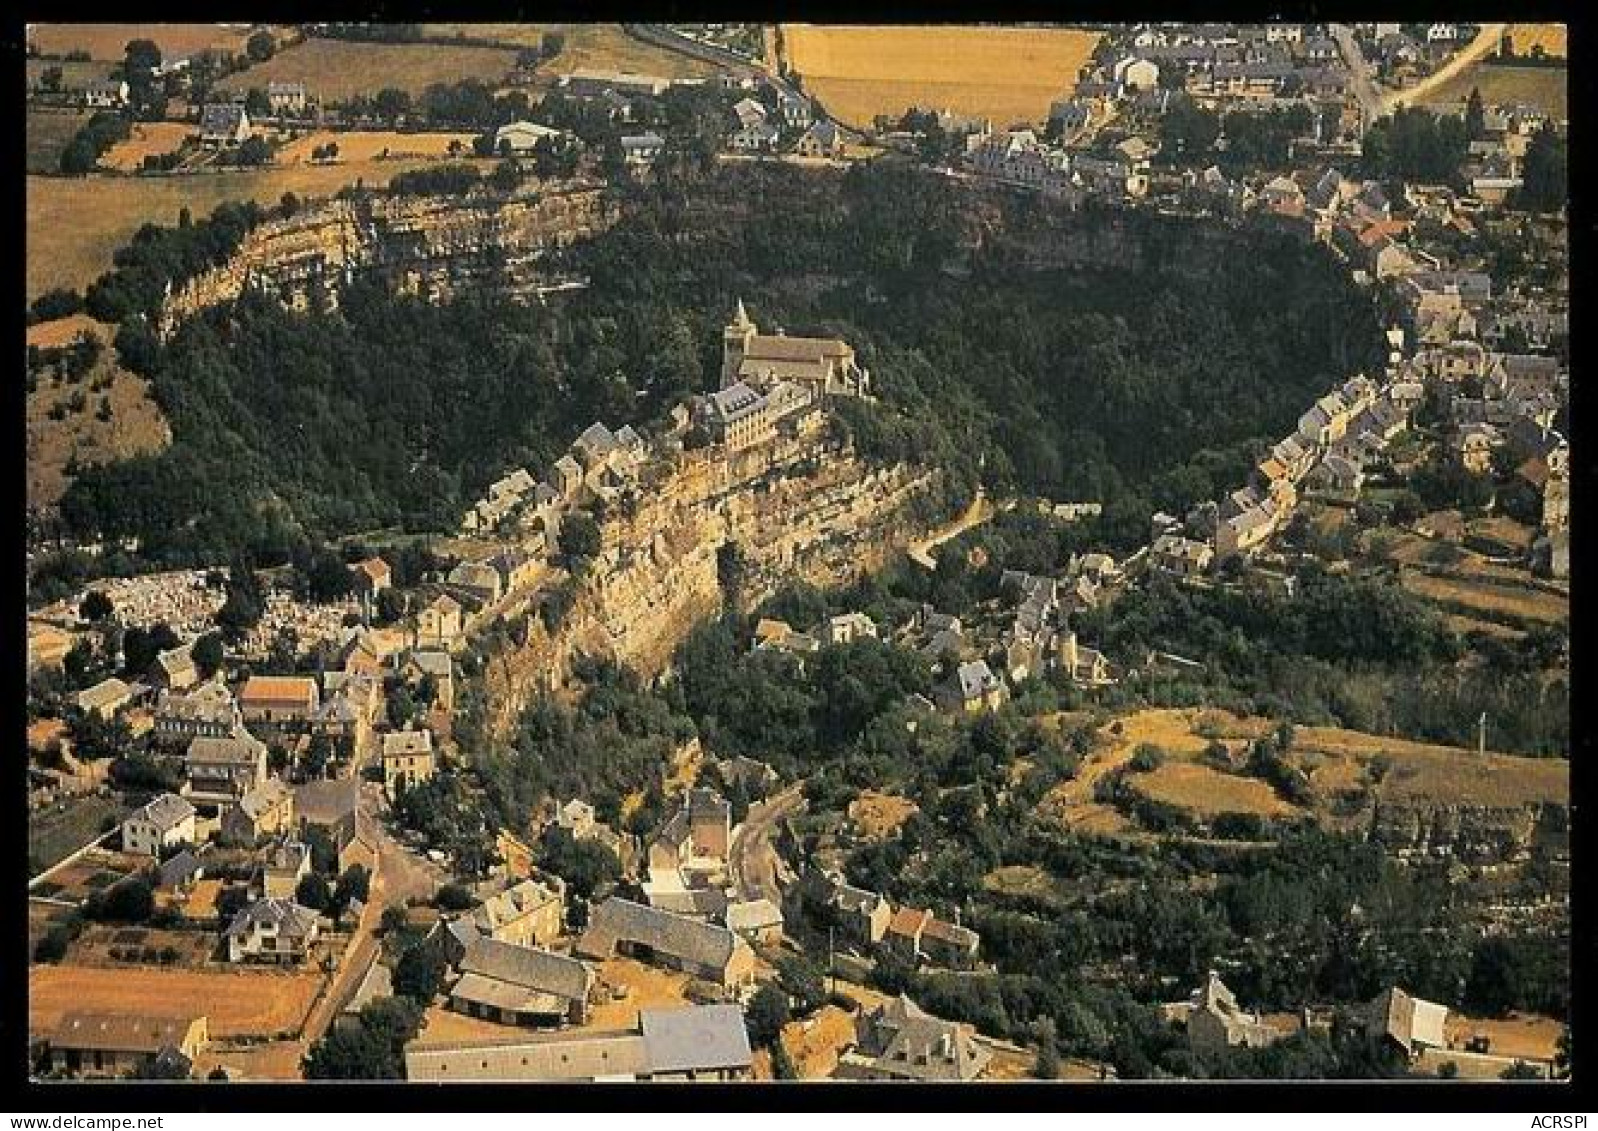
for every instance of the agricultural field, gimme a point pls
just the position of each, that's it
(879, 815)
(374, 145)
(48, 133)
(58, 832)
(1490, 598)
(1526, 38)
(74, 225)
(1547, 88)
(136, 424)
(1208, 793)
(109, 41)
(148, 139)
(1007, 74)
(237, 1003)
(588, 47)
(335, 69)
(1336, 760)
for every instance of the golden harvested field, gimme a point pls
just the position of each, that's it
(336, 69)
(1544, 87)
(149, 139)
(1007, 74)
(1206, 792)
(1550, 37)
(648, 988)
(47, 135)
(74, 225)
(815, 1043)
(588, 47)
(1445, 775)
(1023, 880)
(374, 145)
(879, 815)
(1488, 597)
(1520, 1034)
(237, 1003)
(110, 41)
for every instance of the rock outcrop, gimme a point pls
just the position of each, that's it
(797, 509)
(1473, 834)
(431, 246)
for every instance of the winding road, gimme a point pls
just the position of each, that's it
(751, 858)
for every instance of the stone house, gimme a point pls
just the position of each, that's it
(899, 1041)
(407, 759)
(272, 930)
(703, 950)
(221, 770)
(278, 702)
(117, 1044)
(266, 810)
(520, 985)
(164, 822)
(105, 698)
(972, 687)
(438, 625)
(286, 864)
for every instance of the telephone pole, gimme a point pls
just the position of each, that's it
(1481, 734)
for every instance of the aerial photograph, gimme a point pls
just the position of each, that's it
(797, 552)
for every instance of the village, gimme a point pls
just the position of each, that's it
(233, 876)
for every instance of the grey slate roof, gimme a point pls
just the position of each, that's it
(620, 920)
(684, 1040)
(165, 812)
(540, 971)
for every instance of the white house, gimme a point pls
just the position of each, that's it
(166, 821)
(272, 930)
(521, 137)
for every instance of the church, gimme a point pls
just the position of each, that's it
(821, 366)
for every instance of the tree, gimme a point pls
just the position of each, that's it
(579, 536)
(129, 901)
(1544, 176)
(419, 973)
(313, 892)
(1047, 1065)
(261, 46)
(454, 897)
(254, 151)
(256, 104)
(392, 104)
(585, 865)
(355, 883)
(1475, 116)
(766, 1014)
(1520, 1070)
(95, 607)
(802, 980)
(140, 57)
(207, 654)
(782, 1065)
(350, 1054)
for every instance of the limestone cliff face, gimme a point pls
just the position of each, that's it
(798, 509)
(431, 246)
(1474, 834)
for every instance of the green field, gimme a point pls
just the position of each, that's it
(48, 132)
(1547, 88)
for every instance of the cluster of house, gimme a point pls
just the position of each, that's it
(1262, 62)
(868, 920)
(1020, 157)
(1215, 1022)
(599, 467)
(1404, 53)
(271, 821)
(762, 120)
(759, 122)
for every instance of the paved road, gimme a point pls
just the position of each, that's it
(401, 875)
(1361, 78)
(751, 858)
(980, 510)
